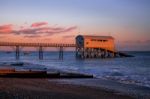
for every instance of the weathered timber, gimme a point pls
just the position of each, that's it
(40, 74)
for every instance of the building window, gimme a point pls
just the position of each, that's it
(99, 40)
(93, 39)
(105, 40)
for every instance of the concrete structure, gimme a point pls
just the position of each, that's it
(94, 46)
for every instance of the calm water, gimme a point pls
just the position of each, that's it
(135, 70)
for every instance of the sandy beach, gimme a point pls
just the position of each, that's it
(19, 88)
(67, 87)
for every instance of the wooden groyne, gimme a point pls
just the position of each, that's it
(40, 74)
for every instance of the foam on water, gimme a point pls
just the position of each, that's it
(132, 70)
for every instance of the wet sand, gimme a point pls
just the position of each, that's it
(19, 88)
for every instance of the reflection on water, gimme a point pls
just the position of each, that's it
(126, 70)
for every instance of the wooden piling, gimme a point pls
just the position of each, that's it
(17, 53)
(61, 53)
(40, 53)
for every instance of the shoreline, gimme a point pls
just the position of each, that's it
(64, 88)
(42, 88)
(136, 91)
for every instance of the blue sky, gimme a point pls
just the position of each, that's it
(126, 20)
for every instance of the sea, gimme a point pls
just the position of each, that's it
(128, 70)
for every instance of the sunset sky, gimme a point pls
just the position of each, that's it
(128, 21)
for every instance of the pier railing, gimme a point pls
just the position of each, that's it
(36, 44)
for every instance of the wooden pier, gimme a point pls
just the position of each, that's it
(40, 47)
(81, 52)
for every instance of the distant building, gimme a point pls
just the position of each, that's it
(94, 46)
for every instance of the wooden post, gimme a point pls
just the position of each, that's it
(40, 53)
(76, 52)
(83, 53)
(61, 53)
(17, 53)
(113, 54)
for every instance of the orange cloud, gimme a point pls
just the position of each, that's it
(36, 30)
(32, 36)
(6, 29)
(39, 24)
(44, 30)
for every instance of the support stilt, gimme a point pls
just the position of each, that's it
(40, 53)
(61, 53)
(17, 53)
